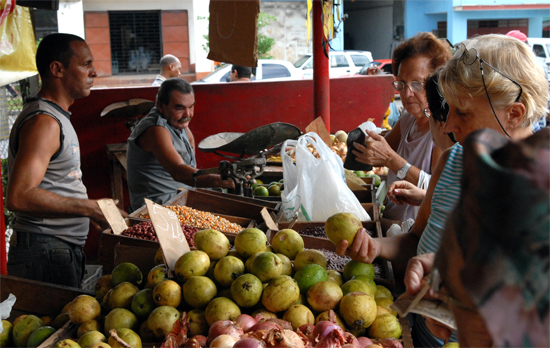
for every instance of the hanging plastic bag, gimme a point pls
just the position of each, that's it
(316, 187)
(17, 43)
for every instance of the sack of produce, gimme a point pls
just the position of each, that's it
(316, 186)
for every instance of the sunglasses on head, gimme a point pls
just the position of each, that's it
(469, 57)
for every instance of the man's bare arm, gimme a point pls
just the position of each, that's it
(157, 140)
(38, 142)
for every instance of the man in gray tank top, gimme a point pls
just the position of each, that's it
(161, 149)
(45, 188)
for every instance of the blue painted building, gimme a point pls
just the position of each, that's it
(459, 19)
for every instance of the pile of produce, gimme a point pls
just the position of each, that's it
(253, 295)
(145, 230)
(272, 189)
(201, 219)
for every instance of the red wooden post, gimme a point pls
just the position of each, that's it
(3, 256)
(321, 82)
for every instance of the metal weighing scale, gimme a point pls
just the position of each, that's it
(256, 144)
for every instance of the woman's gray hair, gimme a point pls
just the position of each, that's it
(512, 57)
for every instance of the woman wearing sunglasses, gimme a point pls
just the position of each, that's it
(408, 150)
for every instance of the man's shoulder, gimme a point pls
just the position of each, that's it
(148, 123)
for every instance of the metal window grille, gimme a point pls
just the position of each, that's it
(136, 41)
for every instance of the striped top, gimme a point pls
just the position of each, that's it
(445, 197)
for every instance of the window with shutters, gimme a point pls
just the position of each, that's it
(136, 41)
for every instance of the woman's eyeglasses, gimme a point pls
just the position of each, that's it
(469, 57)
(414, 86)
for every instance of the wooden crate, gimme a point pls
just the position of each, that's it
(115, 249)
(368, 181)
(38, 298)
(214, 204)
(366, 196)
(263, 203)
(371, 208)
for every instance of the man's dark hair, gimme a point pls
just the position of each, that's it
(170, 85)
(54, 47)
(242, 71)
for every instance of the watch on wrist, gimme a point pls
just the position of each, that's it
(402, 173)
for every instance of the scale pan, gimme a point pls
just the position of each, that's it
(252, 142)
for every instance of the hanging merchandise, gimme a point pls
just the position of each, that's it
(17, 43)
(233, 31)
(308, 19)
(316, 187)
(328, 20)
(331, 22)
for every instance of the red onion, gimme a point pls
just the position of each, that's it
(364, 341)
(224, 327)
(263, 314)
(323, 328)
(249, 342)
(260, 335)
(246, 321)
(283, 338)
(388, 343)
(283, 323)
(307, 342)
(264, 325)
(334, 339)
(351, 339)
(223, 341)
(307, 330)
(349, 345)
(197, 341)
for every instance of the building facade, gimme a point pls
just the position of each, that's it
(458, 20)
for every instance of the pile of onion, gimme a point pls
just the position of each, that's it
(224, 327)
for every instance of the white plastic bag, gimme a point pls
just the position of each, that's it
(316, 188)
(5, 308)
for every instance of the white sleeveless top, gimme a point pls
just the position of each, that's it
(418, 153)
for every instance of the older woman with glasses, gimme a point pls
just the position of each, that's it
(408, 150)
(494, 82)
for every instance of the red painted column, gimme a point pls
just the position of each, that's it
(3, 256)
(321, 82)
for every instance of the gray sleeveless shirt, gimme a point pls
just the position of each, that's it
(147, 178)
(63, 175)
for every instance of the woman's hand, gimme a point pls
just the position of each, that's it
(364, 248)
(376, 152)
(403, 192)
(416, 277)
(416, 274)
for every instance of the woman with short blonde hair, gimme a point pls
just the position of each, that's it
(515, 78)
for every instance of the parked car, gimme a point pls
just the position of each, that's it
(383, 64)
(341, 63)
(267, 69)
(541, 49)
